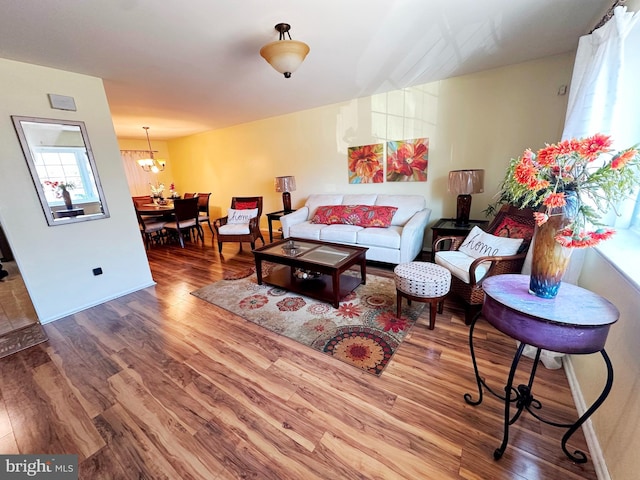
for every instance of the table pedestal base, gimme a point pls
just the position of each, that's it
(523, 399)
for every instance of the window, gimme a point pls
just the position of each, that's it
(635, 216)
(69, 165)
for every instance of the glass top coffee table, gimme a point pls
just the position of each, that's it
(312, 268)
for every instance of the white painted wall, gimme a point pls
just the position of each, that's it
(473, 121)
(57, 262)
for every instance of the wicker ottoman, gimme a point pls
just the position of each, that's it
(422, 282)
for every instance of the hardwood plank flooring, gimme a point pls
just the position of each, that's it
(159, 384)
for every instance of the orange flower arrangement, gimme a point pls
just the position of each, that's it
(599, 176)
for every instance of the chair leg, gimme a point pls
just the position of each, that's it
(219, 247)
(180, 238)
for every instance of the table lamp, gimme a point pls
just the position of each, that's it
(285, 185)
(464, 183)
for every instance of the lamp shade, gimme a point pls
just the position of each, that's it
(465, 182)
(285, 184)
(285, 55)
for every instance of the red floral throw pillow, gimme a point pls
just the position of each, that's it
(360, 215)
(513, 229)
(246, 205)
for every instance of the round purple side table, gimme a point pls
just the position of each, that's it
(577, 321)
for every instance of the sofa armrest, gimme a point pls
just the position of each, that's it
(293, 218)
(411, 241)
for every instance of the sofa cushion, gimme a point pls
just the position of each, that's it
(360, 215)
(458, 264)
(482, 244)
(359, 199)
(380, 237)
(407, 205)
(314, 201)
(306, 230)
(340, 233)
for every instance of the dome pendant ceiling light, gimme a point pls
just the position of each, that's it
(285, 55)
(151, 164)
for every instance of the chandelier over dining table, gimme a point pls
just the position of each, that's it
(151, 164)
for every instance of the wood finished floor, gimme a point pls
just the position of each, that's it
(160, 384)
(16, 309)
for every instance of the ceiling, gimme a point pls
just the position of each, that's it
(187, 66)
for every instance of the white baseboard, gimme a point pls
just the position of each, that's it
(97, 302)
(587, 427)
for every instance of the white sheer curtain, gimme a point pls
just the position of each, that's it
(596, 100)
(598, 79)
(137, 178)
(597, 104)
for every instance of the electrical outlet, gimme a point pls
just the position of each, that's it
(97, 271)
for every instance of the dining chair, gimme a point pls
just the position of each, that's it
(152, 229)
(139, 201)
(203, 209)
(189, 195)
(241, 224)
(186, 220)
(142, 200)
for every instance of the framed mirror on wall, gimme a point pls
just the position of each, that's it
(61, 163)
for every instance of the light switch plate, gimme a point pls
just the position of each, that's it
(62, 102)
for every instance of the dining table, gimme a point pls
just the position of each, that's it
(155, 209)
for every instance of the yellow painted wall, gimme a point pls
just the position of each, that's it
(474, 121)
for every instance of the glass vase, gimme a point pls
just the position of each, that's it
(550, 259)
(66, 196)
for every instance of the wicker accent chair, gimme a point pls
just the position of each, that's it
(509, 222)
(235, 232)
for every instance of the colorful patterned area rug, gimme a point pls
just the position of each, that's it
(364, 331)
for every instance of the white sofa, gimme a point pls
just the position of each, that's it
(399, 243)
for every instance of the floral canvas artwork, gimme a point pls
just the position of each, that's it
(366, 164)
(407, 160)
